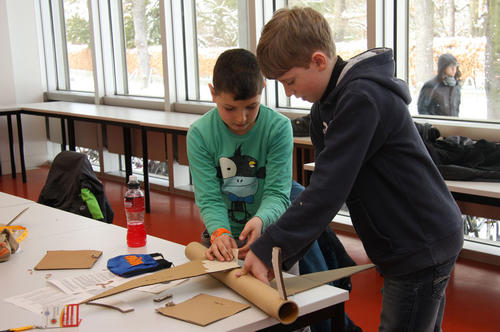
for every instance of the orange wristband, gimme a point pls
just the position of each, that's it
(218, 232)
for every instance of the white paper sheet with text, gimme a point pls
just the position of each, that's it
(48, 296)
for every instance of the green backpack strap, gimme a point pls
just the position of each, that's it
(94, 208)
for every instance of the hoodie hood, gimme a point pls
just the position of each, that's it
(444, 61)
(376, 65)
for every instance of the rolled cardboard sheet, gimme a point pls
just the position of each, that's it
(252, 289)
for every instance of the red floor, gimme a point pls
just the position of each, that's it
(473, 294)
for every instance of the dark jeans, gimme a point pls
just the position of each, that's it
(415, 302)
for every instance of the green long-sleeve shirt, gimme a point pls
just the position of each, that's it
(237, 177)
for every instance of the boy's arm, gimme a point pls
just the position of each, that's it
(277, 184)
(316, 132)
(206, 184)
(346, 144)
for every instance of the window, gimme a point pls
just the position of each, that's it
(68, 51)
(164, 52)
(77, 28)
(466, 30)
(347, 20)
(210, 28)
(134, 38)
(137, 47)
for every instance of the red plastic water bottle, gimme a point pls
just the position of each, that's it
(134, 209)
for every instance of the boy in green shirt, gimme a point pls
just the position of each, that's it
(240, 158)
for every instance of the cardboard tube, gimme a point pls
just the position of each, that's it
(252, 289)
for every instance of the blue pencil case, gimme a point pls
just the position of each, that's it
(135, 264)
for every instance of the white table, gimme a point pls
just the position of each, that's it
(51, 229)
(475, 188)
(170, 123)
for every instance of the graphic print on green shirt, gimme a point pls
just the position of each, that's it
(240, 174)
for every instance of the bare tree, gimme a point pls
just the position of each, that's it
(141, 40)
(424, 12)
(475, 28)
(341, 23)
(492, 62)
(449, 18)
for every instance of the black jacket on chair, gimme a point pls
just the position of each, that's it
(70, 172)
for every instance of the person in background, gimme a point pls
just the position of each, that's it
(441, 94)
(368, 154)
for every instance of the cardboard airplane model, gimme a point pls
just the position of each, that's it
(271, 300)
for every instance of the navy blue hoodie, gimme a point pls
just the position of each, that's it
(370, 155)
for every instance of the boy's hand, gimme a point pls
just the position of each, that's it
(254, 266)
(221, 248)
(251, 232)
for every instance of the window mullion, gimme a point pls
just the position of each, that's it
(48, 45)
(119, 48)
(401, 39)
(178, 45)
(61, 52)
(107, 52)
(97, 50)
(191, 50)
(166, 23)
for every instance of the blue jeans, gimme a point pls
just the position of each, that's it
(415, 302)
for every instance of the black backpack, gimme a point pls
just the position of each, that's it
(72, 186)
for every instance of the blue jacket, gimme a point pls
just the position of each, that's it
(370, 155)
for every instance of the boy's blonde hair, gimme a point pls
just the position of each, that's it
(290, 38)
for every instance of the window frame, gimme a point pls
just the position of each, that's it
(387, 26)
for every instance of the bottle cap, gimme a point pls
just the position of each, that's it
(132, 179)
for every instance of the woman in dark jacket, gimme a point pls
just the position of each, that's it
(441, 95)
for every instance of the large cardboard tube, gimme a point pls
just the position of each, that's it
(252, 289)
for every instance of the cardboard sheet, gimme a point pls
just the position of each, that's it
(68, 259)
(190, 269)
(297, 284)
(203, 309)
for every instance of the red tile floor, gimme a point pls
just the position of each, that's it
(473, 294)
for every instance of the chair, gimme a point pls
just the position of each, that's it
(72, 186)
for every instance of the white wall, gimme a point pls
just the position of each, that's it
(21, 80)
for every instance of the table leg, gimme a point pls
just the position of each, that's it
(21, 145)
(127, 148)
(11, 147)
(338, 318)
(170, 161)
(63, 135)
(71, 134)
(145, 168)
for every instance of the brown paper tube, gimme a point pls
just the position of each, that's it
(263, 296)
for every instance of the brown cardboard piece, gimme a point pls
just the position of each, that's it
(191, 269)
(297, 284)
(203, 309)
(68, 259)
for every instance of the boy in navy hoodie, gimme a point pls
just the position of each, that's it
(368, 154)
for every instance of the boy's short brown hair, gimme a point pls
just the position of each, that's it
(236, 71)
(290, 38)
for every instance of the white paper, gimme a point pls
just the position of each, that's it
(88, 282)
(41, 298)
